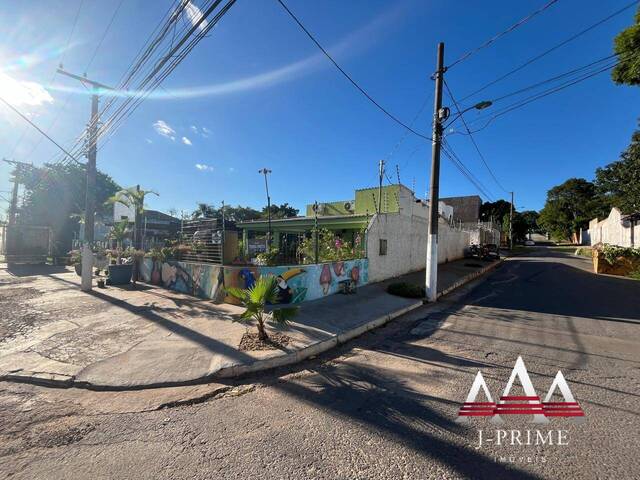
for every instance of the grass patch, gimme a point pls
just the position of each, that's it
(407, 290)
(583, 252)
(635, 275)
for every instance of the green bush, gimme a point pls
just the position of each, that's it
(407, 290)
(583, 252)
(612, 252)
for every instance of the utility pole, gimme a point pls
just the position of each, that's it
(13, 206)
(266, 171)
(380, 174)
(432, 240)
(90, 200)
(315, 231)
(511, 224)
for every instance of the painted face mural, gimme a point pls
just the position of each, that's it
(325, 278)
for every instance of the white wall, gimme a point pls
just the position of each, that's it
(407, 244)
(614, 230)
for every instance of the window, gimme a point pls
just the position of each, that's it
(383, 246)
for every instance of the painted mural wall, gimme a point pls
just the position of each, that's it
(299, 283)
(197, 279)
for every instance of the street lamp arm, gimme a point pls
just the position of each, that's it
(478, 106)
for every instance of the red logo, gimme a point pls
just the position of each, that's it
(528, 404)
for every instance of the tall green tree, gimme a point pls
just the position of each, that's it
(569, 207)
(280, 211)
(627, 47)
(55, 197)
(619, 182)
(495, 211)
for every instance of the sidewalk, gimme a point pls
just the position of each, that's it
(125, 338)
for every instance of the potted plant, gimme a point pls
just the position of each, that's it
(119, 273)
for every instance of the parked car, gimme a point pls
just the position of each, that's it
(529, 243)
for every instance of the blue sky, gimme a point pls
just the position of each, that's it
(257, 93)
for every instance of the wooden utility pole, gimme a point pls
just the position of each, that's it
(13, 206)
(432, 239)
(380, 175)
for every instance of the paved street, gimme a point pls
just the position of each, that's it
(382, 406)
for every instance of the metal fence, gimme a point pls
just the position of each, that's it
(201, 241)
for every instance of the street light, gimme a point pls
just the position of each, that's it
(265, 172)
(478, 106)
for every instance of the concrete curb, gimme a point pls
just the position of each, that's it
(63, 381)
(470, 277)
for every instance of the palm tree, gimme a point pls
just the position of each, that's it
(255, 300)
(132, 197)
(119, 232)
(204, 210)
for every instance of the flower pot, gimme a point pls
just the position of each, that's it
(120, 274)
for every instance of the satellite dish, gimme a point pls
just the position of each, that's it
(347, 206)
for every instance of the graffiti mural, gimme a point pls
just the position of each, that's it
(295, 283)
(198, 279)
(301, 283)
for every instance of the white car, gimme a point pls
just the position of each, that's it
(529, 243)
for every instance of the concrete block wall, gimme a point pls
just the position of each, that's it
(406, 239)
(613, 230)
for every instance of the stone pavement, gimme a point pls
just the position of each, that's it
(146, 336)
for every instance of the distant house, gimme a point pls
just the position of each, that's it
(467, 209)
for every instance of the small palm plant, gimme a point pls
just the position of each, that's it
(255, 300)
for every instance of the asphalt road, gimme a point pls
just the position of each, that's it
(383, 406)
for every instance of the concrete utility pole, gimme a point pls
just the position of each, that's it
(266, 171)
(432, 240)
(511, 224)
(90, 200)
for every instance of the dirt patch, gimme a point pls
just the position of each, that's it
(16, 316)
(276, 341)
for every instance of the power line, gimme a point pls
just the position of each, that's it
(104, 35)
(503, 33)
(457, 162)
(473, 140)
(348, 77)
(24, 117)
(521, 103)
(546, 52)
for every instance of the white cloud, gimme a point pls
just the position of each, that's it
(186, 141)
(231, 169)
(203, 167)
(19, 92)
(148, 140)
(205, 132)
(162, 128)
(194, 129)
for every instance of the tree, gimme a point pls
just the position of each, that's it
(494, 211)
(280, 211)
(569, 207)
(619, 182)
(627, 47)
(204, 210)
(231, 214)
(55, 197)
(524, 223)
(132, 197)
(265, 291)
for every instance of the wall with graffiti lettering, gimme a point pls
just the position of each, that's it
(299, 283)
(198, 279)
